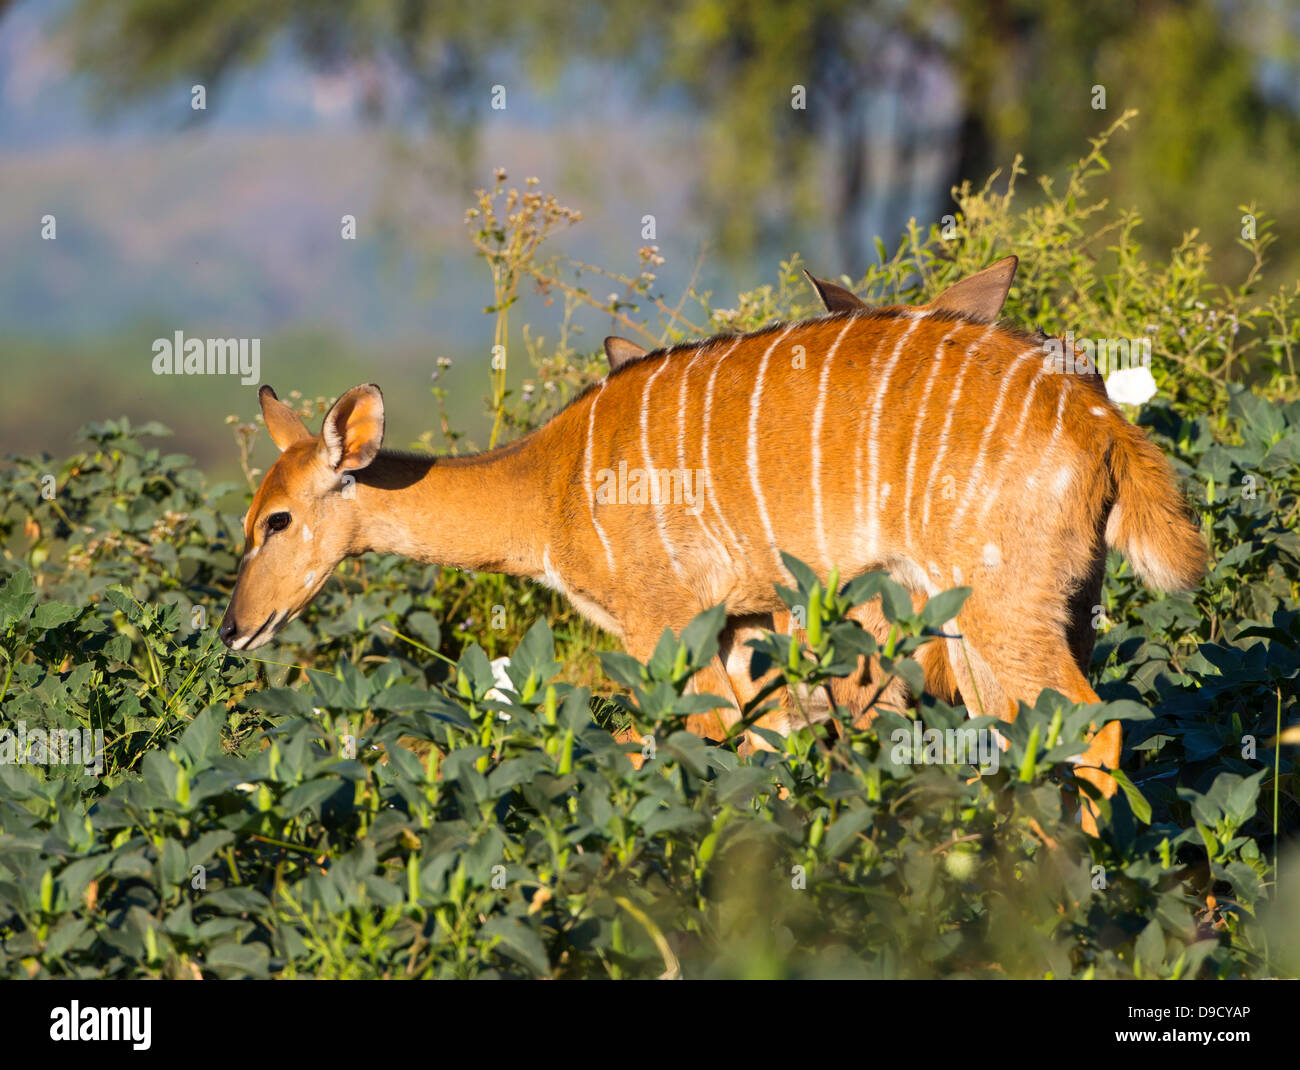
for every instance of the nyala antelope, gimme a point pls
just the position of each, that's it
(928, 441)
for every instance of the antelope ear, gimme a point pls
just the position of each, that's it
(835, 298)
(982, 295)
(620, 351)
(285, 425)
(353, 429)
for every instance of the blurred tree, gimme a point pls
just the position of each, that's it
(877, 75)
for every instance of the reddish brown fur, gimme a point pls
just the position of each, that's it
(1013, 473)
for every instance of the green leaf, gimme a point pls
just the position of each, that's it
(737, 786)
(1136, 800)
(474, 672)
(943, 607)
(282, 700)
(405, 763)
(202, 738)
(309, 795)
(700, 636)
(844, 831)
(804, 577)
(52, 614)
(426, 628)
(230, 960)
(17, 597)
(520, 943)
(622, 667)
(1150, 949)
(160, 774)
(121, 598)
(1242, 798)
(534, 657)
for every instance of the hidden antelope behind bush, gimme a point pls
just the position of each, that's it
(931, 442)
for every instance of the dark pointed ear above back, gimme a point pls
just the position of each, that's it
(835, 298)
(284, 425)
(982, 295)
(353, 429)
(620, 351)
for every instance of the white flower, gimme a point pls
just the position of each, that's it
(1131, 386)
(502, 679)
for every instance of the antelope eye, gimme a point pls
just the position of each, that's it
(278, 521)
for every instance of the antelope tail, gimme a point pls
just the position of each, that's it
(1150, 522)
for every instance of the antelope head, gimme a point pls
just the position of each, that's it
(303, 520)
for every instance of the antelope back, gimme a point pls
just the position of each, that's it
(896, 438)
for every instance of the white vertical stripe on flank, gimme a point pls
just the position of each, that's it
(586, 475)
(818, 416)
(1008, 459)
(859, 512)
(1050, 449)
(650, 472)
(754, 403)
(947, 425)
(873, 460)
(936, 363)
(977, 470)
(681, 447)
(704, 438)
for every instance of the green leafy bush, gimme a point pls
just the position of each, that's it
(371, 801)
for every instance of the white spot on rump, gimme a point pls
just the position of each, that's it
(1097, 410)
(309, 579)
(992, 555)
(1062, 480)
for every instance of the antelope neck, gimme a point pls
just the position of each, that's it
(483, 513)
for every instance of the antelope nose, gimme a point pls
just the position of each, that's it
(228, 629)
